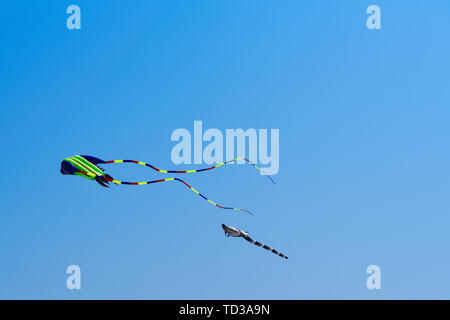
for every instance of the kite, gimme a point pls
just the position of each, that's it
(235, 232)
(88, 167)
(85, 166)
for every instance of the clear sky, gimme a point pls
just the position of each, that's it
(364, 148)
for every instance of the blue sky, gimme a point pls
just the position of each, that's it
(364, 153)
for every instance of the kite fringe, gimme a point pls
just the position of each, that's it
(191, 171)
(163, 180)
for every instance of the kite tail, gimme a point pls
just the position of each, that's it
(190, 171)
(109, 179)
(256, 243)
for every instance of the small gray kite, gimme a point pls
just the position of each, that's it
(235, 232)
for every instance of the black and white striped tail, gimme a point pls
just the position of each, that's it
(256, 243)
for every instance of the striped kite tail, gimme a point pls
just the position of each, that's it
(109, 179)
(191, 171)
(259, 244)
(210, 201)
